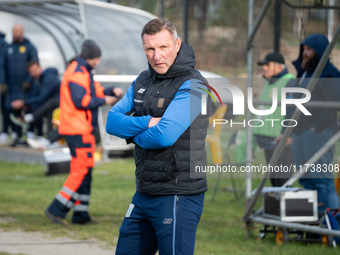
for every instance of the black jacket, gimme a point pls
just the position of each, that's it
(3, 48)
(49, 86)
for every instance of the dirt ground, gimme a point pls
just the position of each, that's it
(36, 243)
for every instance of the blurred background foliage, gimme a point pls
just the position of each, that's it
(217, 30)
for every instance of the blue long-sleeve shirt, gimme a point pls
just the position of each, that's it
(179, 115)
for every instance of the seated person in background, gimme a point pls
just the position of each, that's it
(44, 101)
(51, 92)
(277, 76)
(52, 136)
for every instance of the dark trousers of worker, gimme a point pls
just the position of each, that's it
(37, 125)
(17, 129)
(46, 109)
(285, 159)
(164, 223)
(53, 135)
(75, 193)
(6, 122)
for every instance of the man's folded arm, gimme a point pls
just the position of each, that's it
(122, 125)
(179, 115)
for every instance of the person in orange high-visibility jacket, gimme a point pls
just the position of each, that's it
(80, 98)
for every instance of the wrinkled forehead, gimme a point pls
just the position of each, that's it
(163, 35)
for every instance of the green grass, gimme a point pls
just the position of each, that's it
(25, 192)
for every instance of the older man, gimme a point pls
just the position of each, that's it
(166, 121)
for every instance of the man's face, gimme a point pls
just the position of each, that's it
(93, 62)
(161, 50)
(307, 56)
(18, 33)
(35, 71)
(270, 70)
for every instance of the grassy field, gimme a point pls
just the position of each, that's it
(25, 192)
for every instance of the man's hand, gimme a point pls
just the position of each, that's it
(17, 104)
(153, 122)
(109, 100)
(118, 92)
(289, 140)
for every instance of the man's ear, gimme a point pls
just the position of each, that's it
(178, 44)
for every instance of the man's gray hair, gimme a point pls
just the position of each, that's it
(283, 66)
(157, 25)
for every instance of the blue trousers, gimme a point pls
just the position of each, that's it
(305, 145)
(164, 223)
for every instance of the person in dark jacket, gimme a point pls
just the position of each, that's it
(3, 48)
(4, 140)
(46, 99)
(169, 134)
(17, 56)
(313, 131)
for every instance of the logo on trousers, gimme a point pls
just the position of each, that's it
(167, 221)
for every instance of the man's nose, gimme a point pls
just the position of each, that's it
(157, 55)
(304, 53)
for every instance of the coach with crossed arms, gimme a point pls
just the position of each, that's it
(169, 133)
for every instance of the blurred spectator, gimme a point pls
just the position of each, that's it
(313, 131)
(277, 76)
(44, 102)
(17, 56)
(4, 87)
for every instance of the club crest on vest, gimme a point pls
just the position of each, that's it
(160, 103)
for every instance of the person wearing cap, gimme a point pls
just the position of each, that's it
(313, 131)
(80, 97)
(277, 76)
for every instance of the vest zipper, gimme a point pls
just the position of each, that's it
(174, 157)
(140, 174)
